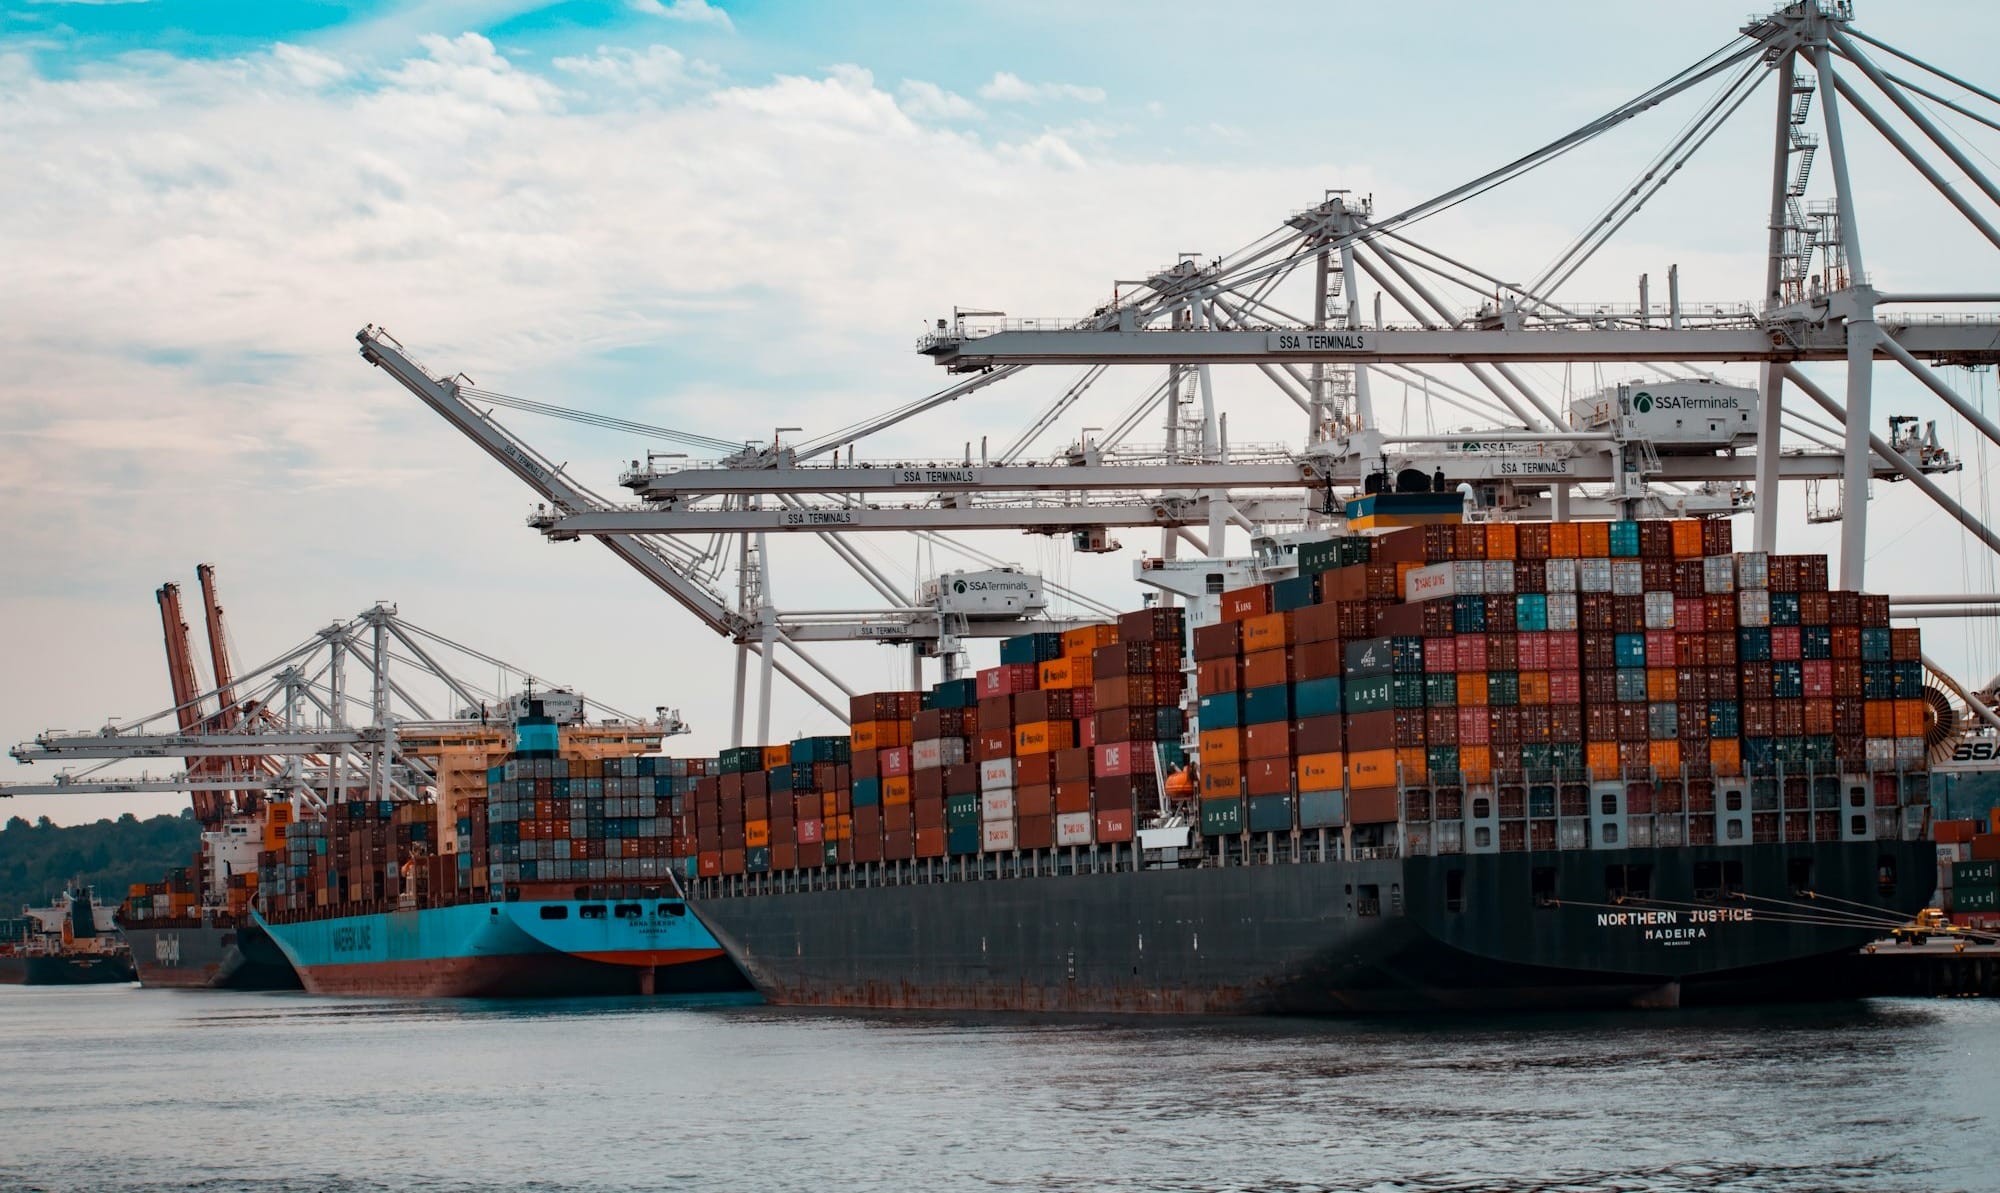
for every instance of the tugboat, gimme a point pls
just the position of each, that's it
(71, 943)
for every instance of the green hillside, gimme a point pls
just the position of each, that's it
(36, 859)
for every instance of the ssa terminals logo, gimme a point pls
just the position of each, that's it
(1643, 402)
(959, 588)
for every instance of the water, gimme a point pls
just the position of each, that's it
(119, 1089)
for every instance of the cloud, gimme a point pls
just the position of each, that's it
(1007, 87)
(657, 68)
(924, 100)
(699, 12)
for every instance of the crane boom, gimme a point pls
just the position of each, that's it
(209, 806)
(547, 480)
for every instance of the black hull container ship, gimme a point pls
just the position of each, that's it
(1454, 768)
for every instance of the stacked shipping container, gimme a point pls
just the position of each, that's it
(1647, 652)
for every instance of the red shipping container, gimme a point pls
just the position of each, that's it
(1072, 797)
(1125, 758)
(1271, 739)
(1471, 653)
(1532, 652)
(1035, 832)
(810, 832)
(895, 762)
(1440, 655)
(930, 842)
(1034, 801)
(1114, 826)
(1034, 769)
(1267, 776)
(1239, 603)
(1564, 652)
(1313, 660)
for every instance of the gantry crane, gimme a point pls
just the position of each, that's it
(1288, 310)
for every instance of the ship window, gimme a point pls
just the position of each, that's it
(1628, 882)
(1885, 874)
(1454, 890)
(1732, 801)
(1542, 884)
(1482, 837)
(1857, 797)
(1799, 875)
(591, 911)
(1712, 880)
(1610, 834)
(1369, 901)
(673, 909)
(1857, 825)
(1609, 805)
(1482, 808)
(1733, 830)
(628, 911)
(555, 912)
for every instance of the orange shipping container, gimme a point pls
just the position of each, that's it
(1687, 538)
(1878, 718)
(1665, 756)
(1725, 756)
(1221, 746)
(1501, 541)
(1472, 689)
(896, 790)
(1602, 759)
(1372, 768)
(1271, 739)
(1044, 737)
(777, 756)
(1534, 687)
(756, 833)
(1909, 718)
(1058, 674)
(1593, 539)
(1268, 632)
(1564, 541)
(880, 735)
(1267, 776)
(1416, 768)
(1221, 782)
(1080, 642)
(1322, 772)
(1661, 685)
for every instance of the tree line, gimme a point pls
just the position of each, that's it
(37, 859)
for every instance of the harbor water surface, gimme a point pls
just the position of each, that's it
(121, 1089)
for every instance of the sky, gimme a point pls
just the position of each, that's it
(728, 217)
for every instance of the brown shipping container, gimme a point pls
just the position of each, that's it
(1270, 739)
(1221, 641)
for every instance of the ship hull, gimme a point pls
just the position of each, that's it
(210, 956)
(507, 950)
(68, 970)
(1301, 939)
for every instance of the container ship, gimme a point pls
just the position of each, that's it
(549, 877)
(1453, 766)
(74, 942)
(194, 928)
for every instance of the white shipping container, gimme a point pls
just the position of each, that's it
(1659, 610)
(996, 836)
(1431, 581)
(1753, 570)
(1073, 828)
(996, 804)
(1880, 752)
(926, 755)
(1499, 576)
(1628, 577)
(996, 772)
(1910, 752)
(1753, 608)
(1560, 575)
(1593, 575)
(1718, 574)
(1562, 611)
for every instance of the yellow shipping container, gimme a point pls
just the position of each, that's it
(1057, 674)
(896, 790)
(777, 756)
